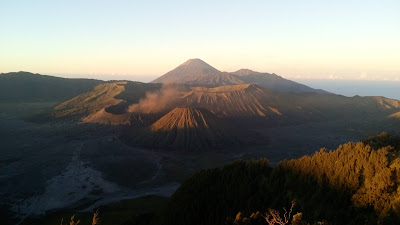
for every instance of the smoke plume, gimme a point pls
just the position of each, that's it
(162, 100)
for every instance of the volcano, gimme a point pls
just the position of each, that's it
(189, 72)
(186, 129)
(198, 72)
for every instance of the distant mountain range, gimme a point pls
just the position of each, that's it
(196, 71)
(194, 106)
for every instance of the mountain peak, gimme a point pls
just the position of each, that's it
(188, 72)
(195, 62)
(244, 72)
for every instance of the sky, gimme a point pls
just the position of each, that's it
(351, 40)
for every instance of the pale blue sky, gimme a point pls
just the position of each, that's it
(302, 39)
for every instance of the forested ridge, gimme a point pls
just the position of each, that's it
(358, 183)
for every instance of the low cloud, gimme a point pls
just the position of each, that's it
(363, 76)
(335, 77)
(158, 101)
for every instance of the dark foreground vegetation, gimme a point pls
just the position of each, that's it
(358, 183)
(354, 184)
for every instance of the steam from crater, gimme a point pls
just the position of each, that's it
(162, 100)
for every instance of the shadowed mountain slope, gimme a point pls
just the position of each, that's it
(220, 79)
(337, 106)
(275, 82)
(29, 87)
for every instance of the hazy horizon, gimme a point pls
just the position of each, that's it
(319, 40)
(349, 88)
(151, 77)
